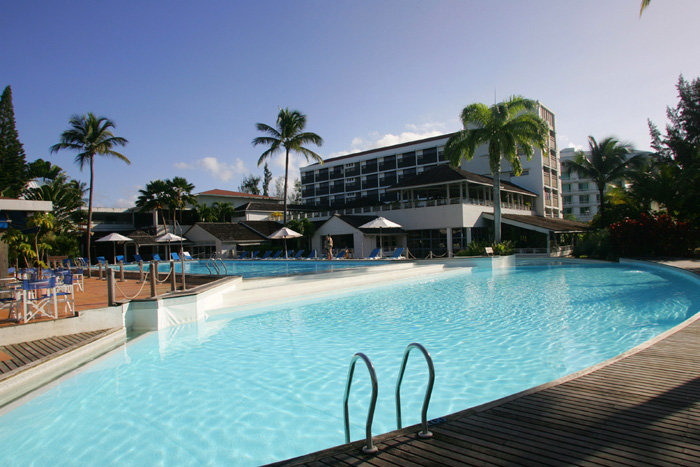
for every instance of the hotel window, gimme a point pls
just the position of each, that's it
(582, 186)
(583, 199)
(566, 187)
(585, 211)
(567, 199)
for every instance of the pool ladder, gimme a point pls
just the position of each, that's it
(370, 448)
(213, 261)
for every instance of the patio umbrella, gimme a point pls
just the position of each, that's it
(379, 223)
(285, 233)
(115, 238)
(170, 237)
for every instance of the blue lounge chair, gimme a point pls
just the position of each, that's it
(174, 256)
(156, 257)
(187, 256)
(254, 255)
(298, 254)
(244, 255)
(277, 254)
(137, 258)
(267, 254)
(397, 254)
(119, 258)
(313, 255)
(101, 259)
(341, 253)
(374, 254)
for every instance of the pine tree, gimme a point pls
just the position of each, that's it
(12, 158)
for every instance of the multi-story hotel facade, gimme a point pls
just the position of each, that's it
(412, 185)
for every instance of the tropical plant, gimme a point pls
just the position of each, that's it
(67, 199)
(288, 135)
(155, 197)
(267, 178)
(250, 185)
(305, 227)
(90, 136)
(179, 194)
(645, 4)
(224, 210)
(610, 161)
(44, 223)
(510, 129)
(206, 213)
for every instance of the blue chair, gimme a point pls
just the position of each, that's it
(119, 258)
(254, 255)
(341, 253)
(187, 256)
(101, 259)
(65, 294)
(277, 254)
(267, 254)
(156, 257)
(36, 304)
(313, 255)
(175, 256)
(374, 254)
(298, 254)
(137, 258)
(397, 254)
(243, 255)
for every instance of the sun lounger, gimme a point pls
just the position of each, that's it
(374, 254)
(137, 258)
(244, 255)
(119, 258)
(397, 254)
(277, 254)
(313, 255)
(101, 259)
(267, 254)
(254, 254)
(187, 255)
(156, 257)
(174, 256)
(298, 254)
(341, 254)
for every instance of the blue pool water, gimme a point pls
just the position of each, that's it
(268, 384)
(262, 268)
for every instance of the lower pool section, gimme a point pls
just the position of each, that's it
(264, 384)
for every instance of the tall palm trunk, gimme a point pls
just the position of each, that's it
(286, 177)
(89, 223)
(497, 206)
(601, 207)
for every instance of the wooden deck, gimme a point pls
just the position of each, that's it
(19, 357)
(643, 409)
(95, 296)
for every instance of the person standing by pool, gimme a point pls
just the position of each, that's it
(328, 246)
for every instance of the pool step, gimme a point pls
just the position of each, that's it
(264, 290)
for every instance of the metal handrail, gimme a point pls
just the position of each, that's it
(213, 263)
(223, 264)
(424, 413)
(369, 448)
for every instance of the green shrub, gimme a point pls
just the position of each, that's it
(477, 249)
(595, 245)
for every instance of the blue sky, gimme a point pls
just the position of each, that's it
(185, 82)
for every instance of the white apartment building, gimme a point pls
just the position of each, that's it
(440, 210)
(580, 196)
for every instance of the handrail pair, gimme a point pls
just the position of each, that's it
(369, 448)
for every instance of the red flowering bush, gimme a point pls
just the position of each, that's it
(652, 235)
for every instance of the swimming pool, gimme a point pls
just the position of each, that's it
(261, 268)
(268, 384)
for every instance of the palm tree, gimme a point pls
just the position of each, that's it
(510, 128)
(224, 209)
(288, 134)
(609, 161)
(154, 197)
(180, 195)
(90, 135)
(645, 4)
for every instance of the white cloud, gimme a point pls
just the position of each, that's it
(564, 142)
(183, 166)
(375, 140)
(129, 195)
(222, 170)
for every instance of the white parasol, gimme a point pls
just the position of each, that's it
(379, 223)
(169, 237)
(284, 233)
(115, 238)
